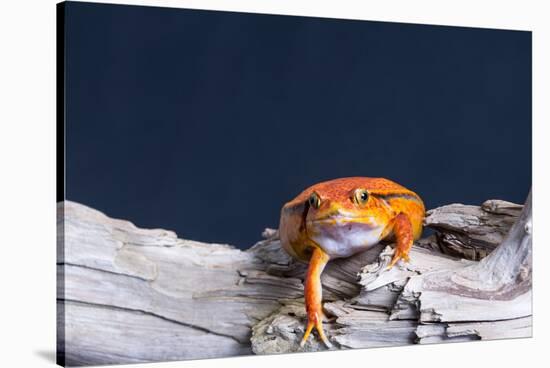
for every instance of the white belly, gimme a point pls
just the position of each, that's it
(344, 239)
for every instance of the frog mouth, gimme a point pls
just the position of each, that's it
(367, 221)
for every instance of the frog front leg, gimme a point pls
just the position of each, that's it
(314, 295)
(403, 232)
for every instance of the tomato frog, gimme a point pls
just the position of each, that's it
(341, 217)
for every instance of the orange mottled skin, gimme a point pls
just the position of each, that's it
(341, 217)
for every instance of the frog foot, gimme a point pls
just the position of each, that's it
(315, 319)
(397, 255)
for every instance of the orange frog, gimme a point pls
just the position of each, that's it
(341, 217)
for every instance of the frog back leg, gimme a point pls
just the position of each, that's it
(293, 233)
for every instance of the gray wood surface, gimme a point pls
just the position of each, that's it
(128, 295)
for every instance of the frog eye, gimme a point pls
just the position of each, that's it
(314, 200)
(361, 196)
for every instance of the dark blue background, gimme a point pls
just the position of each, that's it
(207, 122)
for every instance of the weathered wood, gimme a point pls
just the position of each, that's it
(496, 288)
(472, 232)
(131, 295)
(194, 289)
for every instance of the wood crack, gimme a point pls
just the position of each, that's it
(140, 311)
(102, 270)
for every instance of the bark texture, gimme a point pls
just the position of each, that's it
(129, 295)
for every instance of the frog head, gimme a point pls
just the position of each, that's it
(344, 218)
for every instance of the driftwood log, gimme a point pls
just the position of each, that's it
(130, 295)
